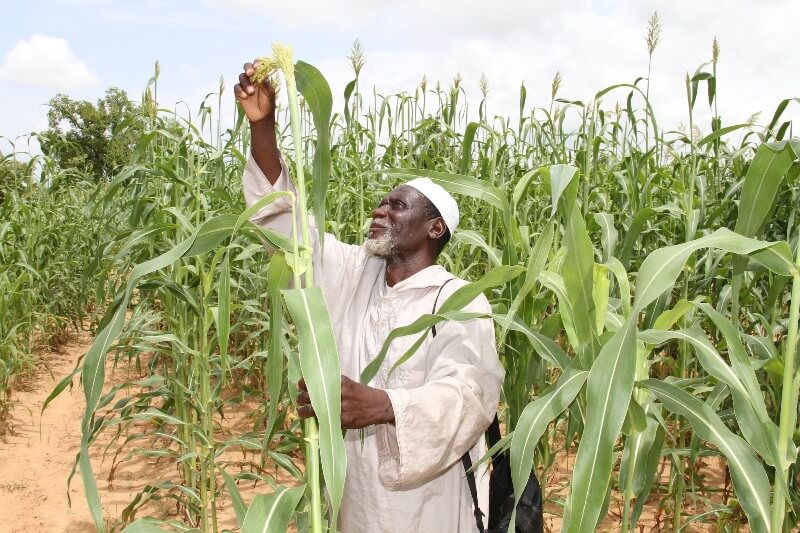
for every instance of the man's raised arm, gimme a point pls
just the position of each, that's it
(258, 103)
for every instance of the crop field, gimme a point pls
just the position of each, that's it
(645, 286)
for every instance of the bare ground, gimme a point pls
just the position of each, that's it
(39, 449)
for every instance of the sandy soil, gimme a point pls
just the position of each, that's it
(38, 452)
(655, 516)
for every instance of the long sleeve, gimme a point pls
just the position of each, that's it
(338, 270)
(436, 423)
(276, 215)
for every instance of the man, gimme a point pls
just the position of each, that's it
(406, 475)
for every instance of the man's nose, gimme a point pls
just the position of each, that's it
(378, 212)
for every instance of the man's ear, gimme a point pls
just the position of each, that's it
(437, 229)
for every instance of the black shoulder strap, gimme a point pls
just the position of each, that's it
(473, 489)
(465, 459)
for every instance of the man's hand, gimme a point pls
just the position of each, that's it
(258, 100)
(258, 103)
(362, 406)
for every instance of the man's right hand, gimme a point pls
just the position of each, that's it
(257, 99)
(258, 103)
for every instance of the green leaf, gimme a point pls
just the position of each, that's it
(466, 147)
(247, 214)
(544, 346)
(144, 525)
(662, 267)
(577, 272)
(457, 301)
(236, 496)
(757, 426)
(533, 422)
(348, 92)
(523, 184)
(609, 234)
(430, 320)
(632, 234)
(608, 393)
(763, 178)
(141, 145)
(457, 183)
(93, 371)
(616, 267)
(668, 318)
(473, 238)
(278, 275)
(212, 233)
(646, 465)
(635, 420)
(536, 263)
(271, 513)
(563, 183)
(719, 133)
(319, 362)
(317, 94)
(749, 479)
(223, 314)
(600, 296)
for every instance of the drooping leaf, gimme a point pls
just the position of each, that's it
(608, 393)
(533, 422)
(212, 233)
(236, 497)
(144, 525)
(317, 94)
(457, 301)
(272, 512)
(662, 267)
(319, 362)
(749, 479)
(457, 183)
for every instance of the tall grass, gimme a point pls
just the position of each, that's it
(646, 297)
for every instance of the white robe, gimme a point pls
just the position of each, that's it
(405, 477)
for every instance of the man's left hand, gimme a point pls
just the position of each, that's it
(362, 405)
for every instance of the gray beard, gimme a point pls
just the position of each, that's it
(380, 247)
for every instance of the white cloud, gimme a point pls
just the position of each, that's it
(46, 62)
(593, 43)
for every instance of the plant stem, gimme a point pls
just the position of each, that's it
(310, 428)
(788, 404)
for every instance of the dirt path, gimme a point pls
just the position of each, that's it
(38, 451)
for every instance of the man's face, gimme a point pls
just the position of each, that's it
(398, 223)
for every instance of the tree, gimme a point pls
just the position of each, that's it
(90, 138)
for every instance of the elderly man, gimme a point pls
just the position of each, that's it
(406, 474)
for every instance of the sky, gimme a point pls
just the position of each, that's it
(81, 47)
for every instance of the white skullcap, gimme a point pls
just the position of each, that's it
(440, 198)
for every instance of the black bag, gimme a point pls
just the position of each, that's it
(529, 517)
